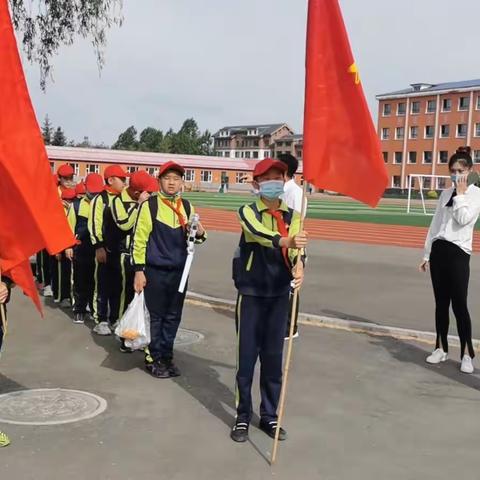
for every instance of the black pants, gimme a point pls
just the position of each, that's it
(165, 305)
(83, 280)
(108, 284)
(61, 277)
(260, 324)
(43, 268)
(295, 327)
(450, 272)
(127, 274)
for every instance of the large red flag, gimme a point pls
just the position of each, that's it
(341, 148)
(31, 214)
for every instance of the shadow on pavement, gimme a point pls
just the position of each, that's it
(8, 385)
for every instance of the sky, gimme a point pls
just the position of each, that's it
(225, 62)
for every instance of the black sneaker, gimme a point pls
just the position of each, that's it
(79, 318)
(159, 370)
(124, 348)
(270, 428)
(239, 432)
(173, 370)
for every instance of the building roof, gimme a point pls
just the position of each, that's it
(294, 137)
(267, 129)
(420, 89)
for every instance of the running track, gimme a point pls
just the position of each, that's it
(341, 231)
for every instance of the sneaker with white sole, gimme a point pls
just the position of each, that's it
(79, 318)
(467, 364)
(66, 303)
(102, 328)
(47, 291)
(437, 356)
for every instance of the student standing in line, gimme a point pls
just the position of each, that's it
(447, 251)
(5, 286)
(263, 269)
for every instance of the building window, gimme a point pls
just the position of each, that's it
(131, 169)
(431, 106)
(189, 175)
(255, 143)
(401, 108)
(152, 171)
(463, 103)
(247, 154)
(476, 156)
(237, 154)
(461, 130)
(239, 177)
(429, 131)
(206, 176)
(92, 168)
(445, 131)
(76, 169)
(266, 153)
(427, 156)
(387, 109)
(412, 157)
(385, 133)
(385, 157)
(52, 166)
(396, 181)
(478, 102)
(399, 133)
(446, 105)
(415, 107)
(413, 132)
(477, 129)
(227, 154)
(398, 157)
(443, 156)
(442, 183)
(255, 154)
(427, 183)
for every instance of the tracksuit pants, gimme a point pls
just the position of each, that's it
(83, 280)
(260, 324)
(450, 273)
(165, 305)
(43, 268)
(295, 327)
(127, 275)
(61, 271)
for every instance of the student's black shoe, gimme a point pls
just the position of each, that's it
(239, 432)
(160, 370)
(124, 348)
(173, 370)
(270, 428)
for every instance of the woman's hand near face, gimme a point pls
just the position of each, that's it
(461, 184)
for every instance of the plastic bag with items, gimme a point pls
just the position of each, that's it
(134, 326)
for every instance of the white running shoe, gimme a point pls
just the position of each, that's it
(47, 291)
(437, 356)
(66, 303)
(467, 364)
(102, 328)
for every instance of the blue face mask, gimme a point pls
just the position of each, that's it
(271, 189)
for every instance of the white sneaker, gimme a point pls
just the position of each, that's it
(47, 291)
(65, 303)
(102, 328)
(437, 356)
(467, 364)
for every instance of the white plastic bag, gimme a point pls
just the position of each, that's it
(134, 326)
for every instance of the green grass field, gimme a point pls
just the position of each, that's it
(347, 210)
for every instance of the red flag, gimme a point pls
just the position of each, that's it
(341, 148)
(31, 213)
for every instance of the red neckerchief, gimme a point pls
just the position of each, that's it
(282, 230)
(177, 210)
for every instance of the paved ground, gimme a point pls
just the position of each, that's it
(358, 407)
(369, 283)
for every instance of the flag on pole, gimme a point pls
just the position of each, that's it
(341, 148)
(31, 214)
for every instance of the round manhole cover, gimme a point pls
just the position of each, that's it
(49, 406)
(187, 337)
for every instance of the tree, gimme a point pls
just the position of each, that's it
(59, 138)
(85, 143)
(150, 140)
(127, 140)
(47, 131)
(46, 25)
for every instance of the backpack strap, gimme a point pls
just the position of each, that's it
(76, 206)
(188, 208)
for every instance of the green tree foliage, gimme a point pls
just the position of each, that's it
(127, 140)
(46, 25)
(47, 131)
(150, 140)
(59, 138)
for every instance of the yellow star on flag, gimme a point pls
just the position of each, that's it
(354, 69)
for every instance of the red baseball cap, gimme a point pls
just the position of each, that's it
(80, 189)
(140, 181)
(267, 164)
(94, 183)
(115, 171)
(171, 166)
(153, 185)
(69, 194)
(65, 170)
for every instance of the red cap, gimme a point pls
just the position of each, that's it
(153, 185)
(171, 166)
(115, 171)
(265, 165)
(140, 181)
(94, 183)
(69, 194)
(80, 189)
(65, 170)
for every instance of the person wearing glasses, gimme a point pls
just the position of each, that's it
(447, 253)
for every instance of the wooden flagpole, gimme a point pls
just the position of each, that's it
(283, 392)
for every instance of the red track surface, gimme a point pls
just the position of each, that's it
(356, 232)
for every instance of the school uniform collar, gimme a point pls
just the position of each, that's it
(125, 196)
(263, 208)
(170, 198)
